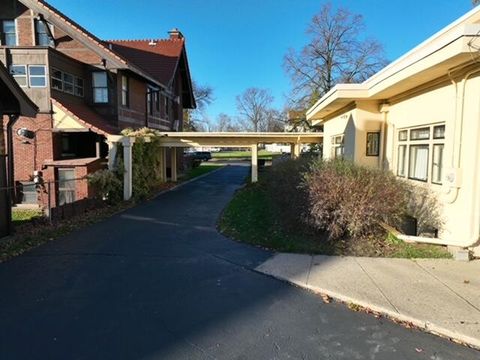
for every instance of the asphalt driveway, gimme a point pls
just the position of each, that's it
(159, 282)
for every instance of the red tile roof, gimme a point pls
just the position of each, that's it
(86, 116)
(159, 58)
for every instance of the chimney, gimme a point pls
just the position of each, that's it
(175, 34)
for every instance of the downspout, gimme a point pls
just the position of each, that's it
(10, 163)
(451, 192)
(383, 136)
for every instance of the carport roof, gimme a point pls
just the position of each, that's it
(237, 139)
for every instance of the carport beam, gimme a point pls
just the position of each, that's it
(254, 163)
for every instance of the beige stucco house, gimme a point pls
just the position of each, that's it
(420, 118)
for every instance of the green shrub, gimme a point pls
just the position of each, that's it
(107, 186)
(286, 191)
(347, 199)
(146, 161)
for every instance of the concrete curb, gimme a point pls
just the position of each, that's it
(421, 324)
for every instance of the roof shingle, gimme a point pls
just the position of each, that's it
(159, 58)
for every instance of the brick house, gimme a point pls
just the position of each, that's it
(86, 89)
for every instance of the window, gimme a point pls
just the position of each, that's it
(420, 134)
(439, 132)
(125, 92)
(27, 193)
(149, 103)
(337, 146)
(402, 153)
(157, 100)
(78, 86)
(167, 110)
(66, 186)
(100, 87)
(57, 80)
(42, 34)
(437, 164)
(418, 168)
(373, 144)
(37, 75)
(9, 33)
(417, 149)
(68, 83)
(19, 73)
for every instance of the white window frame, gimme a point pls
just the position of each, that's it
(60, 79)
(2, 32)
(45, 75)
(408, 143)
(125, 89)
(338, 142)
(71, 84)
(20, 76)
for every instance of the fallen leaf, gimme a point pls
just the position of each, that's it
(418, 350)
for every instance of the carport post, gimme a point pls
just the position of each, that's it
(163, 155)
(294, 151)
(173, 163)
(112, 141)
(127, 143)
(254, 163)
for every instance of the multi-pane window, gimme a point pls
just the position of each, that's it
(9, 32)
(19, 73)
(66, 186)
(100, 87)
(57, 80)
(337, 146)
(79, 86)
(125, 91)
(66, 82)
(156, 97)
(37, 75)
(31, 75)
(420, 153)
(42, 34)
(373, 144)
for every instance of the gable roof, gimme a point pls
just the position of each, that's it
(74, 30)
(158, 57)
(11, 91)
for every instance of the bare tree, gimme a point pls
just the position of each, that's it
(335, 53)
(203, 97)
(253, 106)
(226, 123)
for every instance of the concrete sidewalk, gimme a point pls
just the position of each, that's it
(441, 296)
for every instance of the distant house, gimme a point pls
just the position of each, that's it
(86, 89)
(420, 118)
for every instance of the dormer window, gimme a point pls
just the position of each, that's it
(100, 87)
(9, 32)
(42, 34)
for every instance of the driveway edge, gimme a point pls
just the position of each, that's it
(392, 315)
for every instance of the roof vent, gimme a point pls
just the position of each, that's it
(152, 43)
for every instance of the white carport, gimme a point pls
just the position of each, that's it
(251, 140)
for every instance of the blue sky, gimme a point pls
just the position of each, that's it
(236, 44)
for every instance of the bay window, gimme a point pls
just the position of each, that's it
(417, 149)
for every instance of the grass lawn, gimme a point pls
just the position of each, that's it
(250, 217)
(22, 216)
(262, 154)
(200, 170)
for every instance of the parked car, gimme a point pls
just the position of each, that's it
(202, 155)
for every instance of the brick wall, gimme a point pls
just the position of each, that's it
(25, 27)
